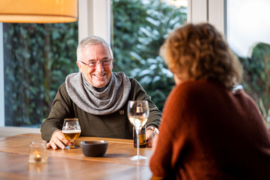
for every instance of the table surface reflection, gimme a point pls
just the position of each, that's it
(72, 164)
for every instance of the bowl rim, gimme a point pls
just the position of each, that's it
(96, 142)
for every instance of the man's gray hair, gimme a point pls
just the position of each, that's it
(88, 41)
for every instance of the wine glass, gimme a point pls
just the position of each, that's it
(71, 130)
(138, 112)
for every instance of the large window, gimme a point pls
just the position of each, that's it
(139, 29)
(37, 58)
(248, 35)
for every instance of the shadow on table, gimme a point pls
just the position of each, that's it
(115, 155)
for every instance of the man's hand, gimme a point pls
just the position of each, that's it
(58, 140)
(149, 137)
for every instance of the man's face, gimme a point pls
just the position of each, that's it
(98, 75)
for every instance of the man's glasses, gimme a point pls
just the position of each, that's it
(104, 63)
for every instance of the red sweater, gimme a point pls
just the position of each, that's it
(208, 132)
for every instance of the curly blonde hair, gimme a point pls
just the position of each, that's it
(198, 51)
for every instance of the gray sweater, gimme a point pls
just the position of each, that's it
(115, 125)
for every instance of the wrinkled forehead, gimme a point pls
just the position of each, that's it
(97, 50)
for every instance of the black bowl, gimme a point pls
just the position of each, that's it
(94, 148)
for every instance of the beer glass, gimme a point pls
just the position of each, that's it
(138, 112)
(71, 130)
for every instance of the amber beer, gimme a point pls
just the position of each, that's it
(142, 137)
(71, 135)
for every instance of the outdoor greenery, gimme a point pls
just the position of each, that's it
(38, 57)
(256, 79)
(138, 34)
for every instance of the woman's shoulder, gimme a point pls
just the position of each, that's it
(198, 88)
(194, 95)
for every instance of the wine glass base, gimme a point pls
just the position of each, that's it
(72, 147)
(137, 157)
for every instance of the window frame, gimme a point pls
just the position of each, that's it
(212, 11)
(2, 80)
(94, 19)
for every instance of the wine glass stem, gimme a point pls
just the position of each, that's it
(138, 143)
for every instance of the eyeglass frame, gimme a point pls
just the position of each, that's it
(101, 61)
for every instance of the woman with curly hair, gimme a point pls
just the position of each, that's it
(209, 130)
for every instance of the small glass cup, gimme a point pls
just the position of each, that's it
(38, 152)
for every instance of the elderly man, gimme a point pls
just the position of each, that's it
(98, 97)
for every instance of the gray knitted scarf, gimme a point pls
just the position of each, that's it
(108, 101)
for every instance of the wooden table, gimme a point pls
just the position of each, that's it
(72, 164)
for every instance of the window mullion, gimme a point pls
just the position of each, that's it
(197, 11)
(95, 19)
(217, 14)
(2, 95)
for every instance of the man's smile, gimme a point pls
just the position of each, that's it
(99, 75)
